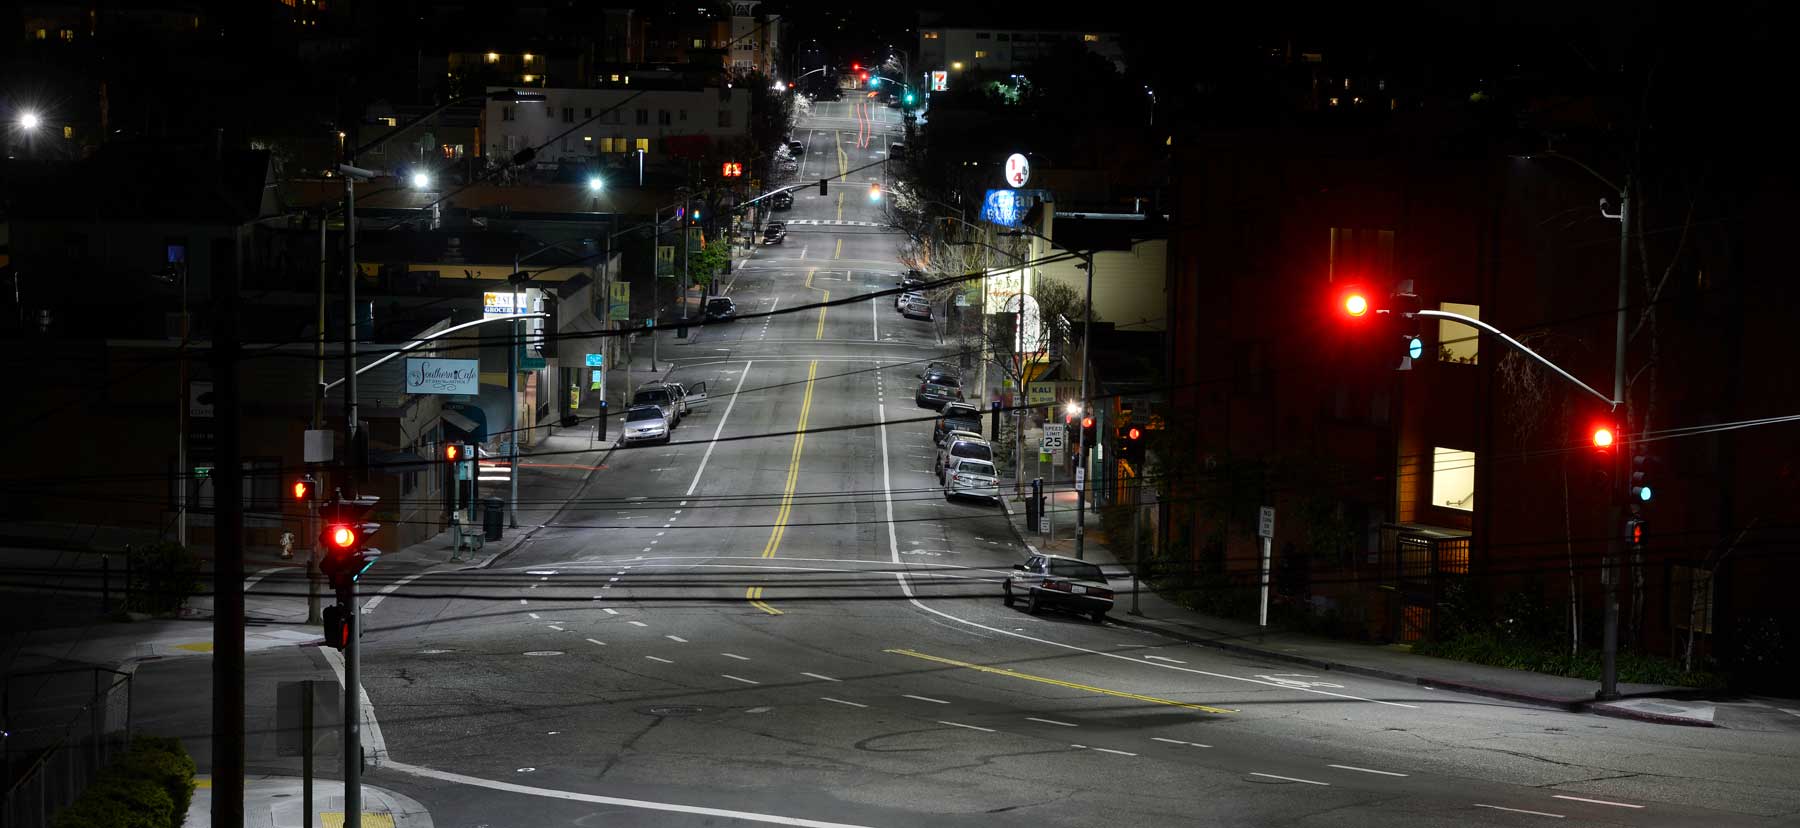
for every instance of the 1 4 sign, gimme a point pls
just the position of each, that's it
(1018, 170)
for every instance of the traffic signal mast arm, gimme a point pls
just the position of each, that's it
(1520, 346)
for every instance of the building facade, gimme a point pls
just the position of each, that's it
(660, 123)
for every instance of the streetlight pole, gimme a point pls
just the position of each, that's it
(1609, 644)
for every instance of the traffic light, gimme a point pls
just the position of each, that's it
(1353, 302)
(856, 67)
(908, 100)
(303, 489)
(1603, 438)
(345, 539)
(1639, 487)
(731, 169)
(1635, 531)
(1403, 316)
(1131, 444)
(874, 192)
(336, 619)
(875, 82)
(1087, 430)
(821, 186)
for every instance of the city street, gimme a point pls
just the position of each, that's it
(778, 618)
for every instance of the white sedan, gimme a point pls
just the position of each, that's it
(972, 478)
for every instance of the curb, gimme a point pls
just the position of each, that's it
(1567, 705)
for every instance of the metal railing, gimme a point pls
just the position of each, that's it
(49, 765)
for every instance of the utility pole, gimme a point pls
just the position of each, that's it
(228, 554)
(1609, 645)
(352, 466)
(318, 422)
(1081, 465)
(513, 348)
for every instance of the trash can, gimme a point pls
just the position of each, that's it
(493, 516)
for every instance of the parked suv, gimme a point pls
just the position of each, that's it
(956, 416)
(933, 395)
(957, 448)
(1053, 580)
(674, 399)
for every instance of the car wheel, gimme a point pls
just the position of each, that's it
(1032, 604)
(1006, 594)
(1099, 616)
(947, 496)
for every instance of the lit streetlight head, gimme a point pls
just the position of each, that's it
(421, 180)
(1073, 408)
(29, 120)
(595, 184)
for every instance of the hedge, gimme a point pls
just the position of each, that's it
(150, 786)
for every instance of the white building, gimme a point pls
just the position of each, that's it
(659, 121)
(954, 49)
(755, 47)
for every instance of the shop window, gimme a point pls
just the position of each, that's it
(1457, 342)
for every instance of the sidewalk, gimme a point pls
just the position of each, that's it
(275, 802)
(1655, 703)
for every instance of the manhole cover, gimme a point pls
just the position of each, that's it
(545, 653)
(672, 710)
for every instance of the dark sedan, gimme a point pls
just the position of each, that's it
(934, 395)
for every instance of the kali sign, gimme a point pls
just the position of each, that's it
(1018, 170)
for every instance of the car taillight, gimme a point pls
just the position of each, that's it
(1061, 586)
(1103, 593)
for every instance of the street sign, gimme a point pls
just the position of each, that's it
(1018, 170)
(1055, 436)
(596, 360)
(619, 302)
(1044, 525)
(1265, 522)
(1040, 393)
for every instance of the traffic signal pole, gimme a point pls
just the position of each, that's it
(1082, 475)
(352, 706)
(228, 555)
(1609, 643)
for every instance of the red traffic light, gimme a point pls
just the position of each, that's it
(340, 537)
(864, 76)
(856, 66)
(452, 451)
(302, 488)
(1087, 422)
(1603, 437)
(1356, 304)
(1133, 434)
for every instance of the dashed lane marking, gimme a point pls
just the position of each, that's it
(663, 660)
(923, 698)
(737, 678)
(1584, 799)
(1291, 779)
(1001, 671)
(1391, 773)
(970, 727)
(637, 623)
(841, 701)
(736, 656)
(1051, 722)
(821, 678)
(1521, 811)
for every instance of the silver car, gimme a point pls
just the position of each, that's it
(1053, 580)
(958, 448)
(972, 478)
(645, 424)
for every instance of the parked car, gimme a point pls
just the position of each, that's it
(645, 423)
(1053, 580)
(972, 478)
(916, 307)
(782, 200)
(674, 399)
(774, 233)
(958, 434)
(913, 279)
(796, 148)
(957, 416)
(958, 448)
(941, 374)
(900, 300)
(720, 309)
(933, 395)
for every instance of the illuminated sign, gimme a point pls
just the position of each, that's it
(1018, 170)
(1003, 207)
(940, 81)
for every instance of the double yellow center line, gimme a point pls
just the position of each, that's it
(754, 594)
(1001, 671)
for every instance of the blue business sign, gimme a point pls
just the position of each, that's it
(1003, 207)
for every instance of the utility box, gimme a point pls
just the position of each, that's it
(493, 517)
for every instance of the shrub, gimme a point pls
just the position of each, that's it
(164, 762)
(150, 787)
(1498, 650)
(148, 802)
(163, 577)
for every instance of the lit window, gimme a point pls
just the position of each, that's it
(527, 58)
(1458, 342)
(1334, 100)
(1088, 38)
(492, 57)
(615, 78)
(68, 35)
(1453, 479)
(588, 138)
(643, 145)
(979, 54)
(390, 121)
(43, 34)
(68, 132)
(699, 43)
(957, 66)
(931, 35)
(531, 78)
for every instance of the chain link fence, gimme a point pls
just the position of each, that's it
(70, 725)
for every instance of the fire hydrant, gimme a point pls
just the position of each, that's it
(287, 545)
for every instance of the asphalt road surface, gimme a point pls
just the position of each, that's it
(778, 619)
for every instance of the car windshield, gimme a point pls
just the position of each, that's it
(719, 304)
(638, 415)
(975, 467)
(1078, 570)
(945, 379)
(652, 395)
(967, 449)
(956, 411)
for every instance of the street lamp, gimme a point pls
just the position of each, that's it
(29, 120)
(421, 181)
(595, 185)
(1609, 647)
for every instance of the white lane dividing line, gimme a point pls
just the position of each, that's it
(736, 678)
(534, 616)
(736, 656)
(1521, 811)
(637, 623)
(1596, 801)
(676, 638)
(1290, 779)
(1051, 722)
(389, 590)
(611, 611)
(970, 727)
(906, 589)
(620, 802)
(556, 628)
(735, 394)
(1386, 773)
(841, 701)
(663, 660)
(1110, 750)
(596, 641)
(923, 698)
(1169, 660)
(1788, 710)
(821, 678)
(1198, 745)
